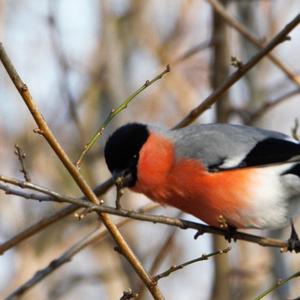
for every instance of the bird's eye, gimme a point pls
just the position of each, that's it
(134, 156)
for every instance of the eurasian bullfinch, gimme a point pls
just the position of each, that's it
(243, 176)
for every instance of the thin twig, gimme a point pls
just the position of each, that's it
(37, 227)
(278, 284)
(192, 51)
(129, 294)
(44, 129)
(56, 263)
(183, 224)
(119, 194)
(233, 78)
(161, 255)
(119, 182)
(115, 111)
(181, 266)
(231, 21)
(29, 185)
(21, 157)
(48, 220)
(89, 239)
(164, 250)
(271, 104)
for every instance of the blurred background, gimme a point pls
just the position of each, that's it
(82, 58)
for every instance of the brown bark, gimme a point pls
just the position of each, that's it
(220, 71)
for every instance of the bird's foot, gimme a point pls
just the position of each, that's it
(198, 233)
(293, 242)
(230, 233)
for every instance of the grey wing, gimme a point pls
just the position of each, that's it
(224, 146)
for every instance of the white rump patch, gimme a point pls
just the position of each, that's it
(271, 198)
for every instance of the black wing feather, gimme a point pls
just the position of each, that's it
(271, 151)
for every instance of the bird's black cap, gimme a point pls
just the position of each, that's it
(122, 151)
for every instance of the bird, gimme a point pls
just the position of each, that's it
(226, 175)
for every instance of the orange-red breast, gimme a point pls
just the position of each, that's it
(248, 177)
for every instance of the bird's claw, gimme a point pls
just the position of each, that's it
(230, 233)
(293, 243)
(198, 233)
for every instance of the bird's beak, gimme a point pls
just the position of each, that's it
(123, 178)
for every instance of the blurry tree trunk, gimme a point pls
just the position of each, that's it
(220, 63)
(247, 11)
(220, 70)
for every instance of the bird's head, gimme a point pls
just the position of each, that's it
(122, 151)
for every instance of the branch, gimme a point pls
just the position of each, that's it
(278, 284)
(35, 187)
(165, 247)
(56, 263)
(232, 79)
(92, 237)
(271, 104)
(129, 294)
(21, 157)
(183, 224)
(162, 253)
(37, 227)
(44, 129)
(47, 221)
(221, 10)
(181, 266)
(193, 50)
(114, 112)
